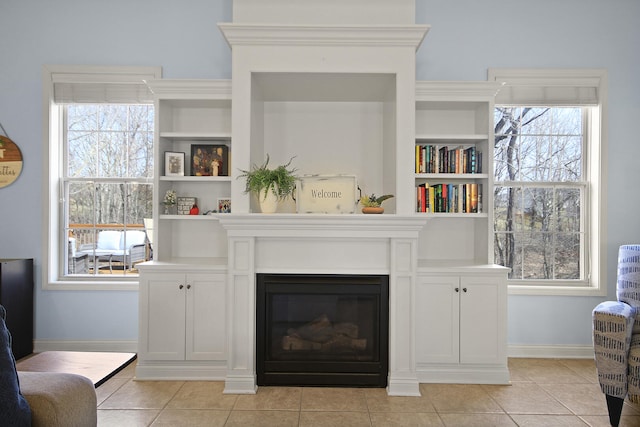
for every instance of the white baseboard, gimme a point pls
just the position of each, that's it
(519, 351)
(551, 351)
(105, 346)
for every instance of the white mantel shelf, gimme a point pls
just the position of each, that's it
(322, 225)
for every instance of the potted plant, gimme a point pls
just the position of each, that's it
(270, 185)
(371, 203)
(169, 201)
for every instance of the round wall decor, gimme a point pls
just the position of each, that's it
(10, 161)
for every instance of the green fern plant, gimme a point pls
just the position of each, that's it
(281, 180)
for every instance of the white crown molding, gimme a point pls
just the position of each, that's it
(190, 88)
(314, 35)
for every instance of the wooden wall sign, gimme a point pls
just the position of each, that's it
(10, 161)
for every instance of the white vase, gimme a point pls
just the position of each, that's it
(268, 202)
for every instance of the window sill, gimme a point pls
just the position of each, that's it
(587, 291)
(93, 285)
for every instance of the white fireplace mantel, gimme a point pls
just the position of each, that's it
(322, 225)
(369, 244)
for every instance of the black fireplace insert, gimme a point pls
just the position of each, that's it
(322, 330)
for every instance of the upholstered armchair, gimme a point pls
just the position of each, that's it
(616, 336)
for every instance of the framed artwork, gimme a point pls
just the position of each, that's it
(224, 205)
(173, 164)
(209, 160)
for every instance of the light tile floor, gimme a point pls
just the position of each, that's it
(543, 392)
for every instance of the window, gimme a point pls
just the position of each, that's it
(100, 150)
(548, 180)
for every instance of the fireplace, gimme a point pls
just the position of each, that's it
(322, 330)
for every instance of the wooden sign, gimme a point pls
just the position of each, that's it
(10, 161)
(331, 194)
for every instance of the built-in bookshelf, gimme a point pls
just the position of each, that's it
(193, 129)
(452, 169)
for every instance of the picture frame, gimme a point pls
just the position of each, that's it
(173, 163)
(209, 160)
(224, 205)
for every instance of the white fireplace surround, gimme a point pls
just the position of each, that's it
(322, 244)
(335, 87)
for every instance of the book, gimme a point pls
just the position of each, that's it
(474, 198)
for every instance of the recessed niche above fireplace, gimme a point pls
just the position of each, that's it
(322, 330)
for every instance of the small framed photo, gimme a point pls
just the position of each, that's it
(224, 205)
(209, 160)
(173, 164)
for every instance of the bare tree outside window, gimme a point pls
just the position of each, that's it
(539, 192)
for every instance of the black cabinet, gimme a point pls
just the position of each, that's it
(16, 295)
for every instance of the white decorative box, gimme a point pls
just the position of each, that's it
(185, 204)
(331, 194)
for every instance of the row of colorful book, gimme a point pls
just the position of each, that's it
(449, 198)
(444, 159)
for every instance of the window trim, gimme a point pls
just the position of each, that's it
(580, 81)
(122, 78)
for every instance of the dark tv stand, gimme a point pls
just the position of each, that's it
(16, 295)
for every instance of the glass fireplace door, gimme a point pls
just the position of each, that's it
(322, 330)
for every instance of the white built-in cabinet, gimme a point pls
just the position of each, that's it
(460, 298)
(462, 329)
(183, 326)
(182, 304)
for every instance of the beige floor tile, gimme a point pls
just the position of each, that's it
(129, 371)
(630, 408)
(126, 417)
(525, 398)
(460, 398)
(583, 367)
(191, 418)
(333, 399)
(517, 372)
(548, 371)
(278, 398)
(477, 420)
(202, 395)
(142, 395)
(548, 421)
(581, 399)
(379, 401)
(342, 419)
(263, 419)
(109, 387)
(544, 392)
(400, 419)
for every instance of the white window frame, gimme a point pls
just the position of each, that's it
(90, 84)
(570, 87)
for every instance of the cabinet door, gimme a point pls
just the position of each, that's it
(481, 320)
(206, 317)
(164, 321)
(437, 319)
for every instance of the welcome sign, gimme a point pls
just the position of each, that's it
(331, 194)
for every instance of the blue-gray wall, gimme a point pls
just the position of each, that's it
(466, 38)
